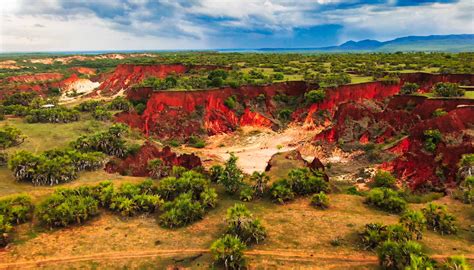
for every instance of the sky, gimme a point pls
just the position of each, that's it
(87, 25)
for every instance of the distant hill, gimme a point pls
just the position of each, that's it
(445, 43)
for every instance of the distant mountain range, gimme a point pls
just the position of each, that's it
(443, 43)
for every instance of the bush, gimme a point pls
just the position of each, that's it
(157, 168)
(375, 233)
(89, 105)
(5, 229)
(314, 96)
(439, 112)
(133, 199)
(181, 211)
(196, 142)
(10, 136)
(384, 179)
(281, 191)
(304, 181)
(432, 137)
(188, 182)
(231, 102)
(247, 193)
(320, 200)
(119, 104)
(67, 206)
(20, 98)
(390, 79)
(415, 222)
(240, 223)
(439, 220)
(467, 190)
(447, 90)
(386, 199)
(109, 142)
(403, 255)
(52, 115)
(278, 76)
(101, 114)
(285, 114)
(231, 177)
(208, 198)
(52, 167)
(260, 180)
(229, 251)
(456, 263)
(16, 209)
(409, 88)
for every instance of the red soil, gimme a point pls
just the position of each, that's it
(84, 70)
(127, 75)
(34, 78)
(136, 165)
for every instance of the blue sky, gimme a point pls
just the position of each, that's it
(64, 25)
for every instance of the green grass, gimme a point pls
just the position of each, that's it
(45, 136)
(360, 79)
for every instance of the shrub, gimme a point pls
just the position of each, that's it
(52, 167)
(439, 112)
(181, 211)
(10, 136)
(133, 199)
(409, 88)
(241, 224)
(67, 206)
(196, 142)
(384, 179)
(375, 233)
(20, 98)
(260, 180)
(5, 229)
(278, 76)
(304, 181)
(247, 193)
(16, 209)
(231, 177)
(17, 110)
(386, 199)
(432, 137)
(208, 198)
(157, 168)
(390, 79)
(447, 90)
(189, 182)
(215, 172)
(314, 96)
(229, 251)
(285, 114)
(456, 263)
(403, 255)
(109, 142)
(467, 190)
(119, 104)
(281, 191)
(415, 222)
(89, 105)
(354, 191)
(101, 114)
(439, 220)
(231, 102)
(52, 115)
(320, 200)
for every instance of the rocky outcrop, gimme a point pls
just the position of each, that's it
(34, 78)
(127, 75)
(136, 164)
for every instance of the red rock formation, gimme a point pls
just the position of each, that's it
(427, 80)
(418, 167)
(180, 114)
(127, 75)
(84, 70)
(136, 164)
(34, 78)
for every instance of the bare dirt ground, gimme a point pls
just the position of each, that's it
(254, 146)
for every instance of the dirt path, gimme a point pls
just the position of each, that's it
(285, 255)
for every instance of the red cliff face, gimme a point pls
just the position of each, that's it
(180, 114)
(136, 165)
(427, 80)
(420, 168)
(345, 93)
(126, 75)
(34, 78)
